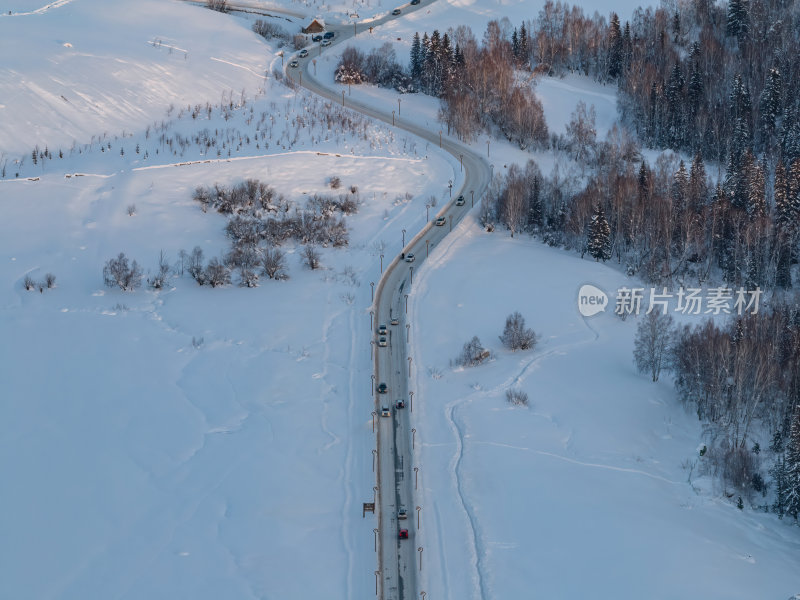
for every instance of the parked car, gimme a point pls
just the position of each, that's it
(400, 404)
(414, 2)
(402, 513)
(382, 342)
(460, 200)
(294, 64)
(403, 534)
(325, 43)
(382, 389)
(410, 257)
(395, 321)
(385, 411)
(396, 12)
(303, 53)
(329, 35)
(382, 330)
(316, 38)
(440, 221)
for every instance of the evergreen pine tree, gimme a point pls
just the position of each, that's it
(783, 228)
(698, 185)
(756, 202)
(614, 47)
(792, 467)
(535, 211)
(416, 58)
(599, 242)
(523, 44)
(515, 44)
(737, 25)
(770, 103)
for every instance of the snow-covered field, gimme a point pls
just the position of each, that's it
(210, 443)
(586, 492)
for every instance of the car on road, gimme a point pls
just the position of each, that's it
(382, 389)
(402, 513)
(385, 411)
(403, 534)
(382, 330)
(460, 200)
(294, 64)
(414, 2)
(303, 53)
(382, 342)
(329, 35)
(440, 221)
(316, 38)
(396, 12)
(325, 43)
(410, 257)
(400, 404)
(395, 321)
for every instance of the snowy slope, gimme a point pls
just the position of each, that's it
(585, 493)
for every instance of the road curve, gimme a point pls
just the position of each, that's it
(399, 559)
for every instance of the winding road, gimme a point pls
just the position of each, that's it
(399, 558)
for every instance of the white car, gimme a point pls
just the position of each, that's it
(440, 221)
(402, 513)
(382, 342)
(303, 53)
(385, 411)
(410, 257)
(294, 64)
(325, 43)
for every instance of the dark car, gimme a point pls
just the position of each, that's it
(329, 35)
(382, 388)
(403, 534)
(396, 12)
(400, 404)
(460, 200)
(414, 2)
(316, 38)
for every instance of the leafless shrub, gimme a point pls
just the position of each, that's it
(472, 354)
(28, 283)
(516, 336)
(348, 298)
(738, 466)
(517, 397)
(197, 342)
(117, 272)
(299, 41)
(217, 273)
(50, 281)
(194, 264)
(311, 257)
(218, 5)
(335, 182)
(158, 280)
(131, 210)
(269, 30)
(274, 264)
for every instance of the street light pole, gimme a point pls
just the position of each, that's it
(416, 477)
(472, 193)
(461, 160)
(374, 414)
(375, 532)
(408, 331)
(420, 558)
(409, 366)
(398, 107)
(413, 435)
(440, 138)
(372, 299)
(404, 238)
(406, 296)
(412, 410)
(423, 594)
(392, 118)
(451, 222)
(374, 452)
(427, 206)
(450, 186)
(411, 277)
(376, 581)
(381, 263)
(419, 508)
(487, 148)
(427, 248)
(374, 493)
(373, 394)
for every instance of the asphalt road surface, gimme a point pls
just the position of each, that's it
(398, 558)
